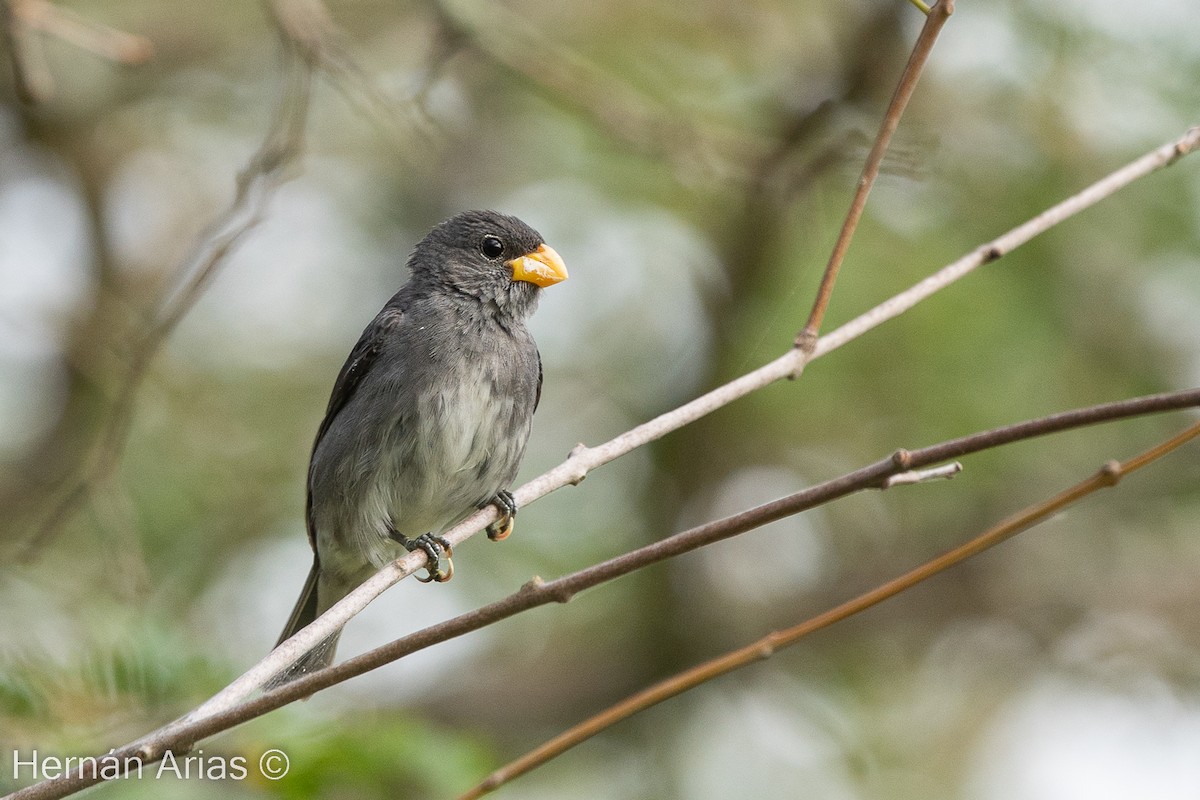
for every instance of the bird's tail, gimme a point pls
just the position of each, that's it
(306, 611)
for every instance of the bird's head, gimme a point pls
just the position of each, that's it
(492, 257)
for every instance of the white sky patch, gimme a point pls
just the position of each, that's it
(44, 275)
(1062, 740)
(1169, 297)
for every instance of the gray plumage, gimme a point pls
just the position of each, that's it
(430, 414)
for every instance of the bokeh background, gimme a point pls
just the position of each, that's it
(691, 162)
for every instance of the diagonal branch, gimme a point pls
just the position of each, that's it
(22, 18)
(1156, 159)
(181, 735)
(934, 21)
(1107, 476)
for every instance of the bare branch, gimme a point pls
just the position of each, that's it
(94, 37)
(22, 18)
(1105, 477)
(1156, 159)
(31, 77)
(181, 735)
(934, 21)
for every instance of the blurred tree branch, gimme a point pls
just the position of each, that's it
(182, 735)
(269, 167)
(642, 123)
(309, 25)
(23, 18)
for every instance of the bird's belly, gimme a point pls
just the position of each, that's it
(464, 450)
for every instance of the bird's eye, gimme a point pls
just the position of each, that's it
(491, 246)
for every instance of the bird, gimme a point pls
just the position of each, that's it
(430, 414)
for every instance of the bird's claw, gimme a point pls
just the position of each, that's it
(502, 528)
(434, 547)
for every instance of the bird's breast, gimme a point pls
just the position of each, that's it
(465, 442)
(431, 443)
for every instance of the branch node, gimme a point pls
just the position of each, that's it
(554, 590)
(1185, 145)
(580, 472)
(902, 459)
(1111, 473)
(806, 342)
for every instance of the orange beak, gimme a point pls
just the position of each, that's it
(543, 267)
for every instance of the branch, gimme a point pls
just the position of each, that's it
(934, 21)
(31, 76)
(21, 18)
(583, 459)
(266, 171)
(1107, 476)
(181, 735)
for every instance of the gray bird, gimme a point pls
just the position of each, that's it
(429, 415)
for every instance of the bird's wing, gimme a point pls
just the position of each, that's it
(537, 397)
(358, 364)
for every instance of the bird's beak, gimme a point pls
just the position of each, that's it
(543, 267)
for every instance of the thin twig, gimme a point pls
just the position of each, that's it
(582, 459)
(310, 26)
(1152, 161)
(269, 167)
(181, 735)
(764, 648)
(651, 128)
(86, 34)
(31, 77)
(21, 19)
(934, 21)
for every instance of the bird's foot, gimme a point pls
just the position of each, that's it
(502, 528)
(434, 547)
